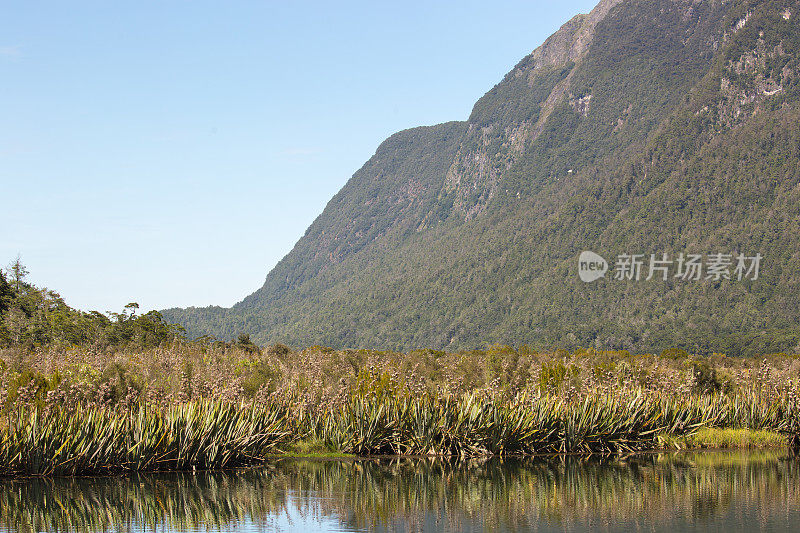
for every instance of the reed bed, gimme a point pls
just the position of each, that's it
(96, 440)
(188, 407)
(601, 423)
(215, 434)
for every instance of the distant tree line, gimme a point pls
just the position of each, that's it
(31, 317)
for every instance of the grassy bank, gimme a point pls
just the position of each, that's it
(714, 438)
(218, 406)
(214, 434)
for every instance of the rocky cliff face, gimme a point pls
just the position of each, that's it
(501, 127)
(646, 126)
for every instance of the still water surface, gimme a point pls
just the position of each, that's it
(713, 491)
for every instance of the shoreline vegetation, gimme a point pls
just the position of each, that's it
(85, 393)
(210, 405)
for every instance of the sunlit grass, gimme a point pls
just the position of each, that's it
(739, 438)
(186, 408)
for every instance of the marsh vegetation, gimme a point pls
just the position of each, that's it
(210, 405)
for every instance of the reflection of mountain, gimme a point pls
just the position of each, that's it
(726, 489)
(645, 127)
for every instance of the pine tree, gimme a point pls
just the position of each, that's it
(17, 272)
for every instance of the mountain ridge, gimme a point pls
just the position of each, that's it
(607, 137)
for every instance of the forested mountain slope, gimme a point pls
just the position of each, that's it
(646, 127)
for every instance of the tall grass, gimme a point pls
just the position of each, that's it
(215, 434)
(195, 407)
(602, 423)
(197, 435)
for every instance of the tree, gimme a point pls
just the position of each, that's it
(6, 294)
(17, 325)
(246, 344)
(17, 272)
(132, 307)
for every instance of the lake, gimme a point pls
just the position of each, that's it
(709, 491)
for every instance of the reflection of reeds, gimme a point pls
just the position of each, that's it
(507, 494)
(200, 434)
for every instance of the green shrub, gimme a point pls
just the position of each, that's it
(553, 376)
(260, 375)
(705, 379)
(279, 350)
(119, 378)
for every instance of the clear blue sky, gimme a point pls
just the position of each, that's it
(171, 152)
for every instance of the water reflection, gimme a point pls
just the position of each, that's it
(703, 491)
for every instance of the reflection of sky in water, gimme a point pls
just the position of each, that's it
(304, 514)
(728, 492)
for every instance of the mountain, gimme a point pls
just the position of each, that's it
(645, 127)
